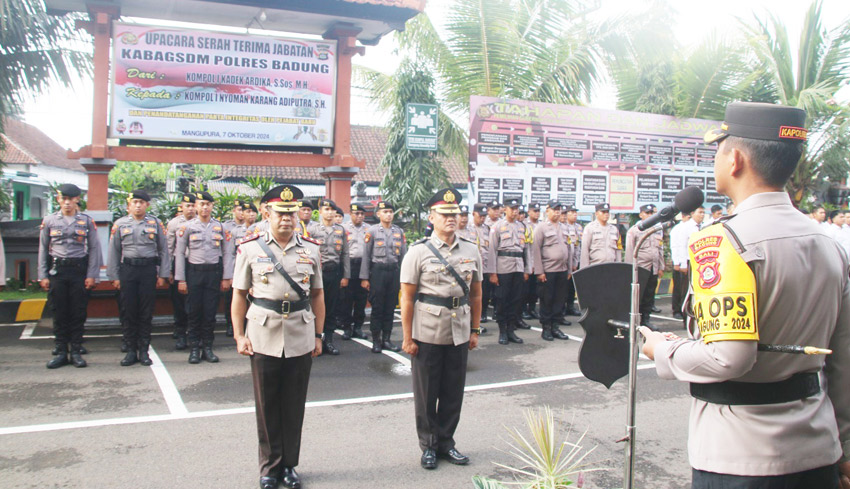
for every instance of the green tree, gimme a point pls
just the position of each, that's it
(411, 177)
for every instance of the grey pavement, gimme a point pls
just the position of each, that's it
(181, 425)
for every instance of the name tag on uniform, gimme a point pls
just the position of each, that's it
(397, 235)
(216, 228)
(81, 223)
(81, 232)
(379, 243)
(264, 259)
(338, 231)
(150, 230)
(194, 237)
(56, 232)
(305, 260)
(126, 230)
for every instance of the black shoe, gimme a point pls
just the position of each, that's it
(125, 347)
(290, 478)
(526, 314)
(562, 322)
(655, 309)
(512, 337)
(346, 334)
(483, 329)
(649, 325)
(174, 335)
(455, 457)
(329, 348)
(484, 319)
(678, 315)
(268, 483)
(208, 355)
(359, 334)
(520, 324)
(83, 350)
(533, 313)
(388, 344)
(58, 360)
(376, 344)
(229, 331)
(573, 311)
(503, 334)
(57, 349)
(557, 333)
(144, 357)
(547, 333)
(180, 344)
(76, 357)
(129, 359)
(429, 459)
(195, 355)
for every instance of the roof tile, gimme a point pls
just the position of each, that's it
(38, 145)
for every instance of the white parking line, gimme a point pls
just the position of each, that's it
(666, 318)
(47, 337)
(245, 410)
(27, 332)
(166, 385)
(580, 339)
(395, 356)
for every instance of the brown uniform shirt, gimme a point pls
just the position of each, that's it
(551, 252)
(651, 254)
(600, 244)
(508, 237)
(271, 333)
(433, 324)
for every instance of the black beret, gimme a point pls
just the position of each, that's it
(204, 195)
(768, 122)
(327, 203)
(138, 194)
(249, 206)
(356, 208)
(384, 205)
(189, 198)
(305, 203)
(69, 190)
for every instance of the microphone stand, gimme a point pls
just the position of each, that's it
(634, 323)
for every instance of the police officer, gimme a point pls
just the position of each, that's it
(529, 305)
(69, 262)
(650, 257)
(237, 214)
(385, 246)
(440, 308)
(494, 213)
(305, 217)
(574, 232)
(336, 265)
(761, 419)
(464, 230)
(178, 300)
(482, 232)
(509, 264)
(354, 296)
(137, 250)
(204, 267)
(229, 226)
(600, 241)
(249, 213)
(552, 259)
(282, 333)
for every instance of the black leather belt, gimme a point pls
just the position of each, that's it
(280, 307)
(330, 267)
(71, 262)
(798, 386)
(449, 302)
(205, 267)
(385, 266)
(141, 262)
(514, 254)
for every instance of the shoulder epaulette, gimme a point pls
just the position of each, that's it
(464, 238)
(419, 241)
(309, 240)
(248, 237)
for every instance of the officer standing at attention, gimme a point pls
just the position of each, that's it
(650, 257)
(574, 232)
(529, 303)
(204, 267)
(482, 239)
(336, 266)
(761, 419)
(249, 213)
(138, 249)
(494, 213)
(229, 226)
(440, 307)
(509, 264)
(69, 262)
(354, 296)
(178, 300)
(463, 228)
(552, 259)
(600, 242)
(305, 217)
(385, 247)
(283, 332)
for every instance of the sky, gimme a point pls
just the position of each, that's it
(65, 114)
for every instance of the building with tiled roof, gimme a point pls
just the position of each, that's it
(32, 162)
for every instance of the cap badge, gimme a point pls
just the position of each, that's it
(286, 194)
(449, 196)
(186, 198)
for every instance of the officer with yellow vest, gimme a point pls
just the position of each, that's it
(767, 275)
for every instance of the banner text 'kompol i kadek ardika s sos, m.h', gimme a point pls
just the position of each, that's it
(582, 156)
(211, 87)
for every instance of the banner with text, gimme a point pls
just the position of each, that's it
(582, 156)
(211, 87)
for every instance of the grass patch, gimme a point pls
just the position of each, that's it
(17, 295)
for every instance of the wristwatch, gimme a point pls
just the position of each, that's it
(319, 336)
(475, 330)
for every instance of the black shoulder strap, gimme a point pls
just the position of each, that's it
(277, 266)
(450, 268)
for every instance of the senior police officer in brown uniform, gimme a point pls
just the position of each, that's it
(440, 310)
(69, 262)
(138, 254)
(336, 267)
(385, 247)
(600, 241)
(282, 270)
(509, 264)
(650, 257)
(552, 260)
(178, 300)
(204, 267)
(763, 419)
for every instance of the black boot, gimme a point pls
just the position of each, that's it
(358, 333)
(60, 356)
(644, 321)
(124, 346)
(388, 344)
(346, 333)
(376, 342)
(483, 329)
(520, 324)
(180, 344)
(195, 354)
(532, 311)
(512, 337)
(208, 354)
(547, 332)
(503, 334)
(76, 356)
(130, 358)
(328, 345)
(526, 314)
(562, 322)
(557, 333)
(144, 357)
(229, 331)
(83, 350)
(573, 311)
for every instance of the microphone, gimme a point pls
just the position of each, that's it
(686, 201)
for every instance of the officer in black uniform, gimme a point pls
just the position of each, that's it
(69, 262)
(353, 298)
(138, 248)
(178, 300)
